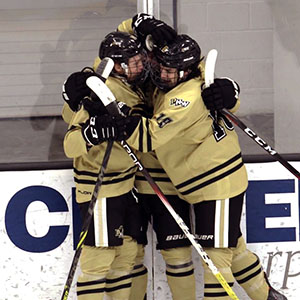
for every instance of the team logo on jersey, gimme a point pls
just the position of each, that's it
(179, 102)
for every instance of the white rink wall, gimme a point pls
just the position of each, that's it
(39, 218)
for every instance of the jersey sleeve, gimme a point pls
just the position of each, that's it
(96, 63)
(74, 143)
(67, 113)
(126, 26)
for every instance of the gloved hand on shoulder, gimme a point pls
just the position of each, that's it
(223, 93)
(75, 88)
(144, 25)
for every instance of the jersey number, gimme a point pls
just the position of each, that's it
(162, 120)
(219, 131)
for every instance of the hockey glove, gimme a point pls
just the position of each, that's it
(144, 24)
(108, 128)
(75, 88)
(125, 109)
(223, 93)
(94, 107)
(97, 108)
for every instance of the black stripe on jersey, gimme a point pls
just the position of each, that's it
(216, 285)
(255, 264)
(149, 141)
(141, 136)
(137, 274)
(215, 295)
(208, 182)
(188, 264)
(119, 287)
(92, 174)
(118, 279)
(249, 277)
(86, 181)
(182, 274)
(225, 164)
(91, 282)
(138, 267)
(94, 291)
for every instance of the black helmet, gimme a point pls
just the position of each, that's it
(120, 47)
(183, 54)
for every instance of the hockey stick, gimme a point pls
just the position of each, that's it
(104, 70)
(261, 142)
(100, 89)
(209, 79)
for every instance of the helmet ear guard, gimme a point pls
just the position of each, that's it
(180, 74)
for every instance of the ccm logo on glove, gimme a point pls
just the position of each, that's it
(98, 129)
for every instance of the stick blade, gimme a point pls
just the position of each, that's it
(105, 67)
(100, 89)
(210, 64)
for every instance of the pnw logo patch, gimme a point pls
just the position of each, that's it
(179, 102)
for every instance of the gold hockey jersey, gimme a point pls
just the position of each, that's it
(201, 156)
(120, 173)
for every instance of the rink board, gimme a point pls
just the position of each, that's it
(39, 224)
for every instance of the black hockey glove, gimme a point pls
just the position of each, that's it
(94, 107)
(108, 128)
(223, 93)
(144, 24)
(75, 88)
(125, 109)
(97, 108)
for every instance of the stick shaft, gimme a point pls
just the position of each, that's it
(104, 68)
(261, 142)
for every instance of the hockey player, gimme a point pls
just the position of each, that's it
(172, 243)
(200, 152)
(110, 248)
